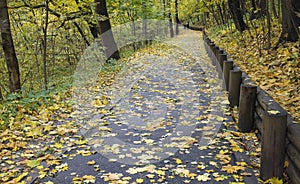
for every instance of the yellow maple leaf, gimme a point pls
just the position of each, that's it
(161, 172)
(33, 163)
(139, 180)
(20, 177)
(192, 175)
(89, 179)
(151, 176)
(204, 177)
(178, 161)
(81, 142)
(273, 181)
(92, 162)
(230, 169)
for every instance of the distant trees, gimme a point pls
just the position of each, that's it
(243, 13)
(9, 49)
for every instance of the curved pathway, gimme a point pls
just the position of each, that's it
(165, 121)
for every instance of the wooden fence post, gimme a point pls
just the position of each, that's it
(214, 56)
(235, 80)
(211, 45)
(247, 108)
(220, 51)
(222, 58)
(227, 66)
(216, 51)
(273, 145)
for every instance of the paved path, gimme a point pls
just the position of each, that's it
(165, 122)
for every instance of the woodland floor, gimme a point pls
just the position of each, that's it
(163, 118)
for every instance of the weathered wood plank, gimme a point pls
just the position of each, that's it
(259, 111)
(293, 172)
(294, 135)
(294, 155)
(267, 103)
(258, 123)
(273, 145)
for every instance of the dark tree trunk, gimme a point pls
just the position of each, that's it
(144, 26)
(235, 10)
(170, 20)
(1, 96)
(93, 29)
(253, 11)
(177, 18)
(221, 13)
(263, 8)
(290, 21)
(92, 26)
(45, 30)
(81, 33)
(111, 50)
(225, 12)
(9, 49)
(274, 8)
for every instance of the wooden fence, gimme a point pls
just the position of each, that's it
(280, 135)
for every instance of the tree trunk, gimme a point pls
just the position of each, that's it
(235, 10)
(45, 30)
(269, 25)
(111, 50)
(274, 9)
(144, 26)
(1, 96)
(253, 10)
(93, 29)
(263, 8)
(9, 49)
(221, 13)
(170, 20)
(290, 21)
(176, 17)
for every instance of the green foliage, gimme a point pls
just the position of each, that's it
(18, 105)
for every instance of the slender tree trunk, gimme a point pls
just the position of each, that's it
(263, 7)
(253, 10)
(234, 7)
(81, 33)
(274, 9)
(1, 96)
(144, 26)
(111, 50)
(290, 21)
(269, 25)
(225, 12)
(221, 13)
(93, 29)
(279, 10)
(170, 20)
(45, 29)
(176, 17)
(9, 49)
